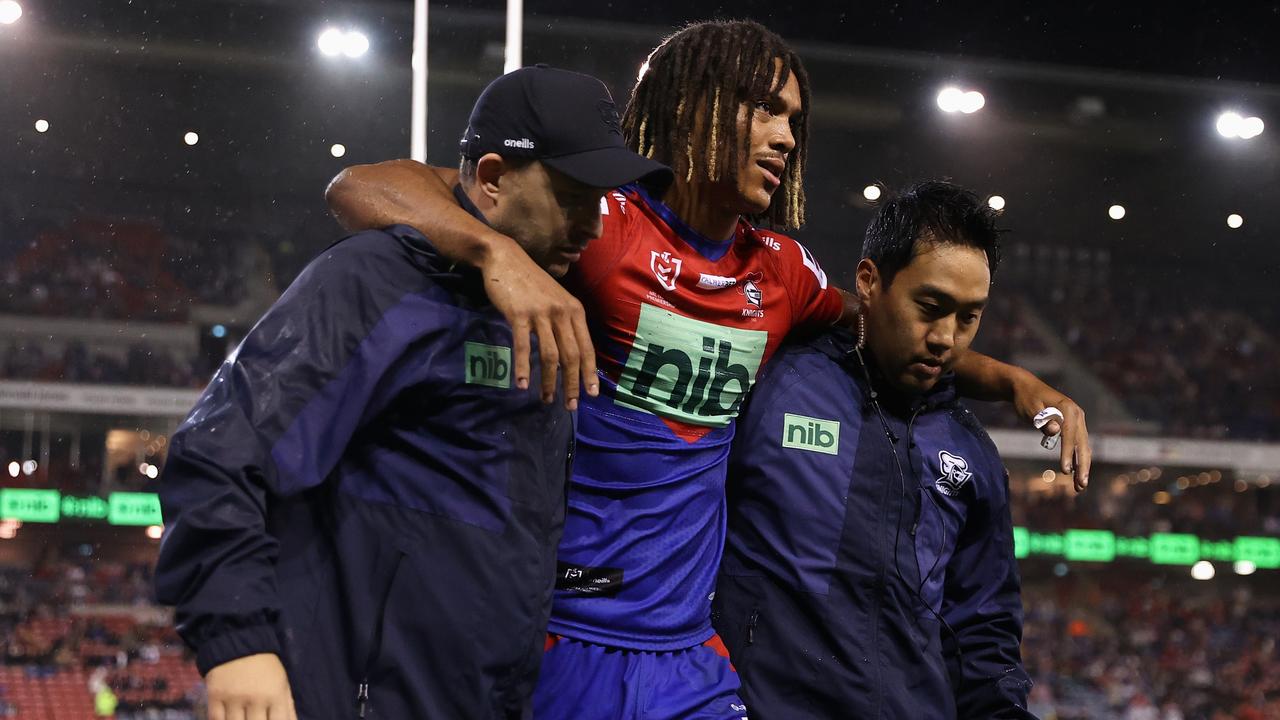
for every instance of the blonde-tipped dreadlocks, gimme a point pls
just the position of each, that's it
(717, 65)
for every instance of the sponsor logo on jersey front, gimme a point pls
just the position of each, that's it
(716, 282)
(801, 432)
(955, 473)
(488, 365)
(666, 267)
(689, 370)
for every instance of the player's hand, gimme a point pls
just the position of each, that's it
(254, 687)
(1030, 396)
(533, 302)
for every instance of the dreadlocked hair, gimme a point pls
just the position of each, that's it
(717, 66)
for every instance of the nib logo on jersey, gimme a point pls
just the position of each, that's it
(687, 370)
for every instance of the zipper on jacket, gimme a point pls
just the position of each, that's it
(911, 443)
(751, 626)
(362, 699)
(375, 649)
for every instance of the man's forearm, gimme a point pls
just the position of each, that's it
(410, 193)
(980, 377)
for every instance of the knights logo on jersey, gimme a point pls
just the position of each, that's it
(750, 290)
(955, 473)
(666, 267)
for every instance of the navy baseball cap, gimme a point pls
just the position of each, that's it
(564, 119)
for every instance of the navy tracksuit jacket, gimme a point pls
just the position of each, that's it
(362, 490)
(849, 544)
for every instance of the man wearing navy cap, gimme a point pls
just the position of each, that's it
(362, 510)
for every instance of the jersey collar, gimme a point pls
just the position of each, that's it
(710, 249)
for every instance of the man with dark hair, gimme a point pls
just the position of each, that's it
(362, 512)
(700, 94)
(686, 301)
(869, 567)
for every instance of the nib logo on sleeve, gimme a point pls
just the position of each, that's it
(801, 432)
(488, 365)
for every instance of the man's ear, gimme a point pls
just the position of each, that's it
(867, 280)
(489, 171)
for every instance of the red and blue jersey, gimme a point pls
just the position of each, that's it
(682, 326)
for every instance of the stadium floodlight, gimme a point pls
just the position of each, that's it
(10, 11)
(153, 472)
(1234, 125)
(1251, 127)
(1245, 567)
(331, 41)
(14, 469)
(334, 42)
(1116, 212)
(950, 99)
(191, 138)
(972, 102)
(29, 467)
(871, 193)
(996, 202)
(42, 125)
(1203, 570)
(155, 532)
(355, 44)
(1234, 221)
(338, 150)
(1229, 124)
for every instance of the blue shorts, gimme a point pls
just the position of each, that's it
(581, 681)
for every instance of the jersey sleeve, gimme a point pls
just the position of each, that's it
(604, 253)
(814, 303)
